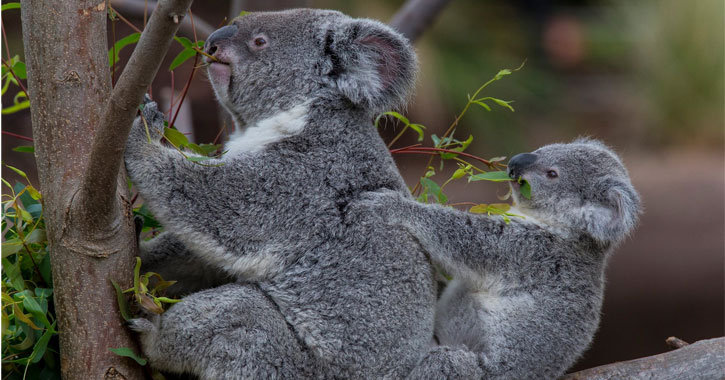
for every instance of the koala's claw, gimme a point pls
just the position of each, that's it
(141, 325)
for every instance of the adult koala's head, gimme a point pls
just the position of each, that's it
(271, 62)
(582, 185)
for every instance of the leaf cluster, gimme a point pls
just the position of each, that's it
(29, 335)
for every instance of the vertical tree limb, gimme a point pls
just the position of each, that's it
(98, 195)
(79, 137)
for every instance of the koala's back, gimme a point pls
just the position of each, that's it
(372, 282)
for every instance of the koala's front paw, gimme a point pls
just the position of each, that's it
(142, 326)
(152, 118)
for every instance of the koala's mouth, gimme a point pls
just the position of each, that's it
(219, 72)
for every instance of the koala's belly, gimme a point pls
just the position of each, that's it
(473, 315)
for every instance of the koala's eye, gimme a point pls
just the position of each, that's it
(258, 42)
(552, 174)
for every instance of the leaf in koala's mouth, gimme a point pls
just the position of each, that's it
(525, 188)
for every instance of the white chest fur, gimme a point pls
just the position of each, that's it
(272, 129)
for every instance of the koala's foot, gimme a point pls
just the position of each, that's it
(444, 362)
(147, 331)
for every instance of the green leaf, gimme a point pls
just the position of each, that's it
(199, 159)
(122, 303)
(32, 306)
(24, 318)
(24, 149)
(10, 6)
(499, 176)
(11, 246)
(502, 73)
(482, 104)
(36, 237)
(14, 276)
(35, 194)
(128, 352)
(434, 189)
(45, 269)
(25, 344)
(40, 347)
(16, 107)
(503, 103)
(243, 13)
(175, 137)
(525, 189)
(120, 44)
(418, 128)
(185, 42)
(182, 57)
(168, 300)
(19, 70)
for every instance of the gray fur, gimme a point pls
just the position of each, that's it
(316, 296)
(526, 296)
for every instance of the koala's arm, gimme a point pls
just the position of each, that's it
(183, 195)
(169, 257)
(458, 240)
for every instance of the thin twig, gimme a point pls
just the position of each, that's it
(129, 23)
(17, 136)
(186, 89)
(436, 151)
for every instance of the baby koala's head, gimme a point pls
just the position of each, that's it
(582, 186)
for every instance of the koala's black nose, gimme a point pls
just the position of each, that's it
(220, 34)
(519, 163)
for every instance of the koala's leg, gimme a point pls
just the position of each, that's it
(169, 257)
(226, 333)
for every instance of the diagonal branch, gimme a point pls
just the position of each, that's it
(137, 7)
(415, 16)
(703, 360)
(98, 191)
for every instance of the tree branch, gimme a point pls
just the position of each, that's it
(703, 360)
(137, 7)
(415, 16)
(98, 190)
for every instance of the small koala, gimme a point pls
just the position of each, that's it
(525, 297)
(311, 292)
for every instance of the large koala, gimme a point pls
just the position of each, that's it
(525, 299)
(314, 293)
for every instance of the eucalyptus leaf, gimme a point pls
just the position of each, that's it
(499, 176)
(128, 352)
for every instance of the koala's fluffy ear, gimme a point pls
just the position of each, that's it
(369, 63)
(614, 218)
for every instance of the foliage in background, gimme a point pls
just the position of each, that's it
(29, 335)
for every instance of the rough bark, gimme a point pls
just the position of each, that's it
(703, 360)
(88, 215)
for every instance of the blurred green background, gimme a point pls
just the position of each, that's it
(645, 76)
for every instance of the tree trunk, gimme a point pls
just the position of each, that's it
(69, 84)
